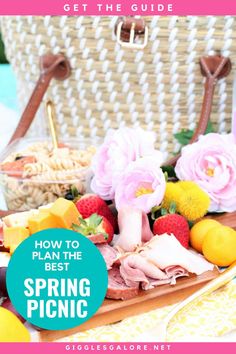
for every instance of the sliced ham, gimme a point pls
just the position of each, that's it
(136, 269)
(117, 288)
(134, 229)
(175, 272)
(160, 261)
(165, 251)
(109, 254)
(152, 283)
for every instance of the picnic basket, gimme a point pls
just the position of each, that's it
(158, 87)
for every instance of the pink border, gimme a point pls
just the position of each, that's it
(56, 7)
(173, 348)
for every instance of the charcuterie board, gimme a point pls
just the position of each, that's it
(116, 310)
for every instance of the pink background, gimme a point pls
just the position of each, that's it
(55, 7)
(60, 348)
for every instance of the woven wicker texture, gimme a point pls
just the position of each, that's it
(159, 88)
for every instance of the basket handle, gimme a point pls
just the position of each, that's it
(51, 66)
(213, 68)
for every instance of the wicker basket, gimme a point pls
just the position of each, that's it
(159, 88)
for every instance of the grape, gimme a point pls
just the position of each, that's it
(7, 304)
(69, 196)
(3, 288)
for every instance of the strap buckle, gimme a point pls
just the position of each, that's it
(131, 43)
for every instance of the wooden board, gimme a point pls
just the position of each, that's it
(228, 219)
(116, 310)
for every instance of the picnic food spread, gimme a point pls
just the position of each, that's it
(38, 174)
(148, 228)
(143, 260)
(151, 219)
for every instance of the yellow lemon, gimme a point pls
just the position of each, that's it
(199, 231)
(11, 328)
(219, 246)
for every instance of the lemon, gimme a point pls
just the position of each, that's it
(199, 231)
(219, 246)
(11, 329)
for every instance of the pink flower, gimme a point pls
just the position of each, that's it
(142, 185)
(120, 147)
(211, 163)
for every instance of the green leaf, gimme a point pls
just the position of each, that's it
(166, 176)
(95, 220)
(83, 222)
(209, 128)
(170, 170)
(172, 208)
(105, 235)
(74, 192)
(78, 228)
(185, 135)
(163, 212)
(153, 215)
(154, 210)
(190, 224)
(3, 59)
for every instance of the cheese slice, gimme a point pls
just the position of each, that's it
(42, 221)
(13, 236)
(19, 219)
(65, 213)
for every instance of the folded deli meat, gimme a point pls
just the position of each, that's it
(160, 261)
(139, 260)
(136, 260)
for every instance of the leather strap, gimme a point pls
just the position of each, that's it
(4, 213)
(128, 22)
(213, 68)
(51, 66)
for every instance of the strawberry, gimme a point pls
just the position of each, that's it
(173, 224)
(95, 225)
(107, 213)
(92, 203)
(89, 204)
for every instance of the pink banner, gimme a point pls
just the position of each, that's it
(117, 7)
(173, 348)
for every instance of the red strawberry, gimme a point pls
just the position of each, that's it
(107, 213)
(92, 203)
(173, 224)
(89, 204)
(95, 225)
